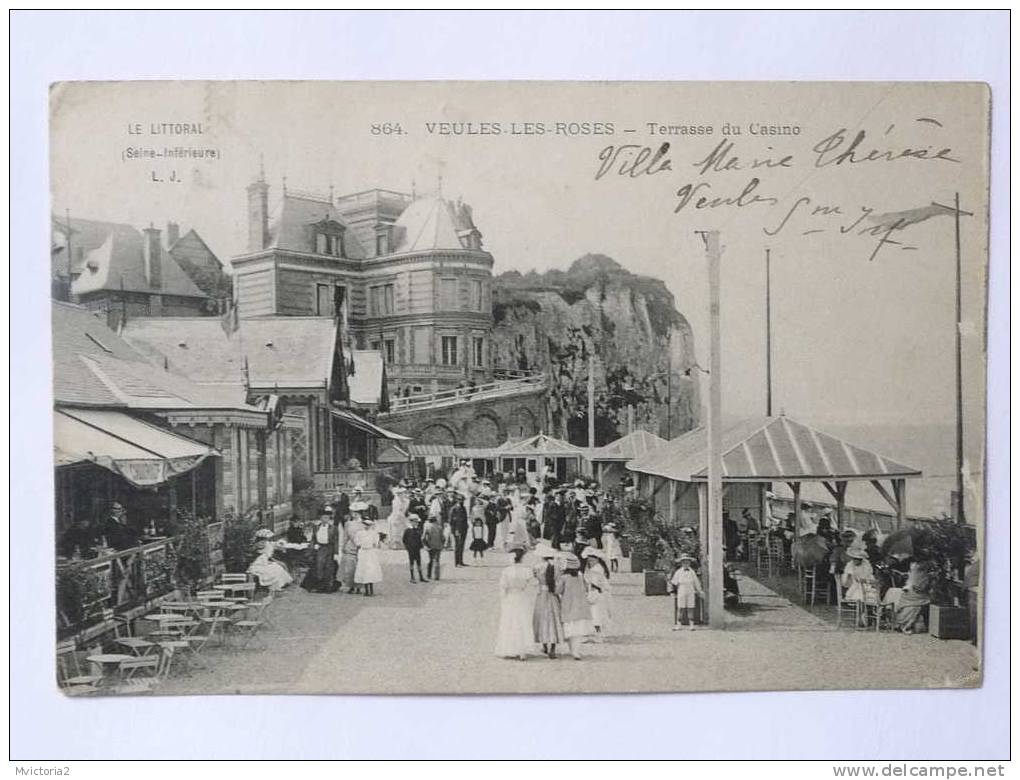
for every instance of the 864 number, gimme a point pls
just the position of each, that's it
(387, 128)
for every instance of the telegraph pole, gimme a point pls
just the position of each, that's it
(961, 517)
(768, 332)
(591, 407)
(716, 613)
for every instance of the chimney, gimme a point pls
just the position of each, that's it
(258, 215)
(152, 253)
(173, 232)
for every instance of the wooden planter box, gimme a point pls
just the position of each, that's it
(655, 583)
(948, 622)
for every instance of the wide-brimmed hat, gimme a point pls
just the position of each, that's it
(359, 506)
(609, 527)
(545, 551)
(571, 562)
(685, 557)
(441, 482)
(116, 505)
(264, 533)
(583, 508)
(358, 489)
(856, 551)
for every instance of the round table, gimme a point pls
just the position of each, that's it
(106, 660)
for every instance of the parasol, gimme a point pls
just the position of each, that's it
(809, 550)
(900, 544)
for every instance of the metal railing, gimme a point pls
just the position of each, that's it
(460, 395)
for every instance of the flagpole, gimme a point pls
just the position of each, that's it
(961, 516)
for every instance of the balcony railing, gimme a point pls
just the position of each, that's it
(460, 395)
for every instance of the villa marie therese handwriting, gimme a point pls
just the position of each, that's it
(839, 149)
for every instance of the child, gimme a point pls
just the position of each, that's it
(478, 544)
(687, 586)
(432, 536)
(611, 547)
(413, 544)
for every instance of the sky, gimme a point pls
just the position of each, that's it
(863, 329)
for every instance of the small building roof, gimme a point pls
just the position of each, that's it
(431, 451)
(283, 352)
(634, 445)
(94, 366)
(766, 449)
(111, 257)
(539, 444)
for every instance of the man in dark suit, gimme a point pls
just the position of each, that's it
(555, 515)
(459, 526)
(118, 534)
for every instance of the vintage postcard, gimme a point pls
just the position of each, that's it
(518, 387)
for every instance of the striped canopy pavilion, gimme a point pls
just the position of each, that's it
(774, 449)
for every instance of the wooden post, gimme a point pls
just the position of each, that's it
(900, 492)
(840, 503)
(796, 507)
(703, 520)
(716, 613)
(672, 502)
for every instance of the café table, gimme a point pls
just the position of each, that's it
(230, 588)
(107, 662)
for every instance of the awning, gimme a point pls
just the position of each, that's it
(141, 453)
(350, 418)
(476, 453)
(432, 451)
(393, 454)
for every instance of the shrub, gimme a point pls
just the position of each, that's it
(240, 547)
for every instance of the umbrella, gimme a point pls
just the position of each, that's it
(809, 550)
(900, 544)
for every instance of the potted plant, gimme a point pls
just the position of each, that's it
(945, 545)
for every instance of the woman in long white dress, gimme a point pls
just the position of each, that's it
(515, 637)
(600, 596)
(397, 521)
(369, 569)
(270, 574)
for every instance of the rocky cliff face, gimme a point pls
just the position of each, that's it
(642, 347)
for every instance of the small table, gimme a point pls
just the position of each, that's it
(230, 588)
(106, 661)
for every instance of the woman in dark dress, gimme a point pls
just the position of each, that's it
(321, 577)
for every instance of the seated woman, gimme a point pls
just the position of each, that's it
(914, 599)
(269, 573)
(859, 579)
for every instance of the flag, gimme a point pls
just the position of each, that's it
(228, 320)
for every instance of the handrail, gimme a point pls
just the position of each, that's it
(459, 395)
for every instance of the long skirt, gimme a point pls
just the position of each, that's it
(547, 620)
(516, 634)
(368, 571)
(321, 578)
(909, 609)
(348, 565)
(578, 628)
(601, 609)
(270, 574)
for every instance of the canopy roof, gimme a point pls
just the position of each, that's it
(350, 418)
(539, 444)
(768, 449)
(141, 453)
(431, 451)
(393, 453)
(634, 445)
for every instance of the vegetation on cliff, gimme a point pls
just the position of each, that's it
(642, 347)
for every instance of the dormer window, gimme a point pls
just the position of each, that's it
(326, 244)
(329, 238)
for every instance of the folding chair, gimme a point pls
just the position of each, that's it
(156, 667)
(69, 674)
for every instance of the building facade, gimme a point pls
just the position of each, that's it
(407, 277)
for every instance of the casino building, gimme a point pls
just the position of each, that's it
(407, 277)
